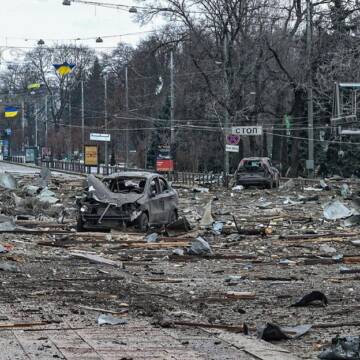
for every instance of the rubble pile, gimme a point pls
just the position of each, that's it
(277, 264)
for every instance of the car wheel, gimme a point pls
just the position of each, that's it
(80, 224)
(143, 222)
(173, 217)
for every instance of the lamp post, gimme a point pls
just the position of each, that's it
(106, 122)
(127, 115)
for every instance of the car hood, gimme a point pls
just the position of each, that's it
(101, 193)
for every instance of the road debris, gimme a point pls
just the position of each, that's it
(200, 247)
(96, 259)
(259, 252)
(151, 238)
(345, 191)
(342, 348)
(336, 210)
(177, 227)
(108, 319)
(314, 296)
(207, 219)
(217, 227)
(272, 332)
(8, 181)
(7, 266)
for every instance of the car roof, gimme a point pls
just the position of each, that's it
(133, 174)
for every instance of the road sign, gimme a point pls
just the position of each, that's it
(232, 139)
(350, 132)
(310, 164)
(247, 130)
(232, 148)
(100, 137)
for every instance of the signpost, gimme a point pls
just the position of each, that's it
(232, 148)
(233, 139)
(91, 157)
(100, 137)
(164, 161)
(247, 130)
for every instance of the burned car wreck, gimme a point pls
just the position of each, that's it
(125, 199)
(257, 171)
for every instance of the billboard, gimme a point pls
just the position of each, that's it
(164, 165)
(91, 155)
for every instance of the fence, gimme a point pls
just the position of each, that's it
(184, 178)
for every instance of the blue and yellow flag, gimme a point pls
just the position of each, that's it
(11, 111)
(64, 68)
(34, 86)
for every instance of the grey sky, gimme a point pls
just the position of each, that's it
(49, 19)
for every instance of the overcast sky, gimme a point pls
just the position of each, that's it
(49, 19)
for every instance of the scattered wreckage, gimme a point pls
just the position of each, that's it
(128, 198)
(254, 252)
(257, 171)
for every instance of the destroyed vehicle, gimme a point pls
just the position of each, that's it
(257, 171)
(124, 199)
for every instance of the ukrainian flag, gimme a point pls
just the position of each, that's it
(64, 68)
(10, 111)
(34, 86)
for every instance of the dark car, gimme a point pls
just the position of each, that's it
(127, 198)
(257, 171)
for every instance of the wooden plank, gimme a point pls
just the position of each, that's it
(21, 325)
(97, 259)
(240, 295)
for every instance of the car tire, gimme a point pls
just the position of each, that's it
(80, 224)
(143, 222)
(173, 217)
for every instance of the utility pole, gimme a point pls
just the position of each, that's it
(172, 101)
(82, 117)
(227, 95)
(310, 162)
(337, 100)
(23, 123)
(127, 115)
(36, 125)
(70, 124)
(105, 123)
(46, 121)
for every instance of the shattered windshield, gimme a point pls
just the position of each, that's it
(126, 185)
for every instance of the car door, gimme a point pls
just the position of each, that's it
(156, 202)
(169, 196)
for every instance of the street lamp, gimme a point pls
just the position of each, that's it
(105, 74)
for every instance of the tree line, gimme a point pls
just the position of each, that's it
(241, 60)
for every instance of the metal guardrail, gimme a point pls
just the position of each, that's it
(184, 178)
